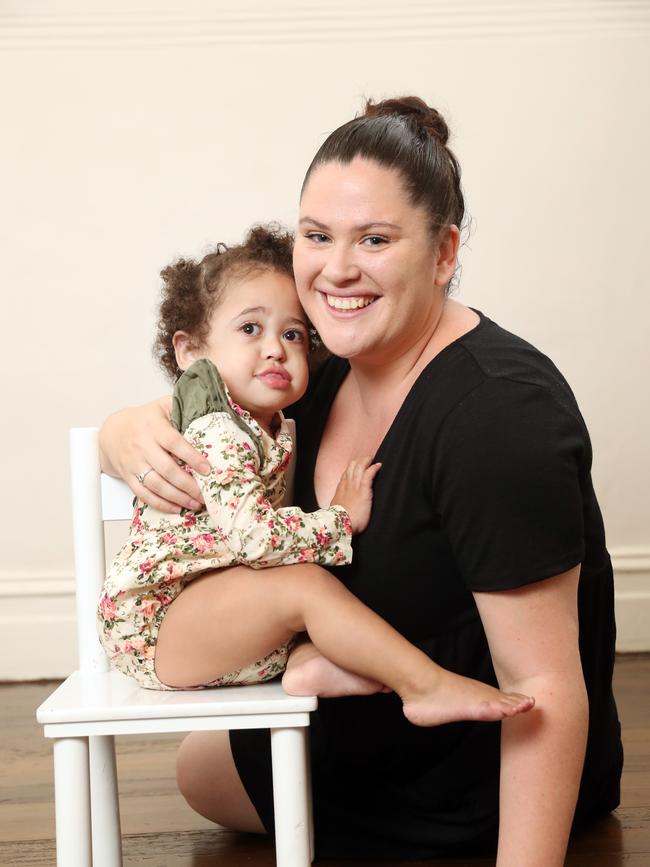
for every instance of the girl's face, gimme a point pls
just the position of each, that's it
(258, 340)
(368, 273)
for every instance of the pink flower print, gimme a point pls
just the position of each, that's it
(203, 542)
(232, 504)
(147, 609)
(347, 525)
(322, 538)
(261, 672)
(275, 541)
(107, 608)
(146, 567)
(286, 460)
(189, 520)
(271, 523)
(164, 598)
(246, 446)
(136, 542)
(136, 522)
(292, 522)
(169, 538)
(307, 555)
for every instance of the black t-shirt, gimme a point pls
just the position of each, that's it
(485, 485)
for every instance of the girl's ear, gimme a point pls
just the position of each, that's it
(185, 349)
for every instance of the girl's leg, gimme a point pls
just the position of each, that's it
(224, 620)
(310, 673)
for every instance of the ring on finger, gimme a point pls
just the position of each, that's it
(142, 476)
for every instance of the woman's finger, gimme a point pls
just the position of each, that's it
(153, 500)
(167, 481)
(176, 444)
(158, 490)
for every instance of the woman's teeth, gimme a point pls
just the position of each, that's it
(349, 303)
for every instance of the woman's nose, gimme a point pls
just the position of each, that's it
(340, 267)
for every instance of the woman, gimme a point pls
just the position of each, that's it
(486, 546)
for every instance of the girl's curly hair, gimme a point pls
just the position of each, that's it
(191, 290)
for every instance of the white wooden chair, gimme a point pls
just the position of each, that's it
(94, 704)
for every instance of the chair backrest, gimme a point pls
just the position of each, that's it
(97, 498)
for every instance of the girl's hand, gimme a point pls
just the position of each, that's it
(142, 438)
(354, 492)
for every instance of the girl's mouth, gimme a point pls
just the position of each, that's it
(275, 377)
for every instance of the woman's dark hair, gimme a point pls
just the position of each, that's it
(407, 135)
(191, 290)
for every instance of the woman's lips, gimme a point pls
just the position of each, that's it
(275, 377)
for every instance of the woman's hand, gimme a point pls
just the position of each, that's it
(142, 438)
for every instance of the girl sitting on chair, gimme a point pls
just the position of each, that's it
(217, 596)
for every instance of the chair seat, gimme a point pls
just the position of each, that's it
(112, 703)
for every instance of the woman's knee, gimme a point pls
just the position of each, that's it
(207, 778)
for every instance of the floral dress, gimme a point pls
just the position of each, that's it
(242, 523)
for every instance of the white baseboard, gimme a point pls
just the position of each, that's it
(38, 626)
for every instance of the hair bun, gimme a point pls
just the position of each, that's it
(413, 109)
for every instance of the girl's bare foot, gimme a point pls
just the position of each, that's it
(454, 698)
(310, 673)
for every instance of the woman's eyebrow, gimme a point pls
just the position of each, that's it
(363, 227)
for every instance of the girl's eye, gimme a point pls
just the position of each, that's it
(293, 335)
(318, 237)
(251, 328)
(375, 241)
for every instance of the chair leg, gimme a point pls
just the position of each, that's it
(289, 756)
(72, 802)
(104, 798)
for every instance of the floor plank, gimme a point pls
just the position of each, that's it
(161, 831)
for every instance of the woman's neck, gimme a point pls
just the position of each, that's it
(394, 373)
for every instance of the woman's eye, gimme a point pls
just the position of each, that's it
(375, 241)
(293, 335)
(318, 237)
(251, 328)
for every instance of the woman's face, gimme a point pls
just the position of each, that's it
(368, 273)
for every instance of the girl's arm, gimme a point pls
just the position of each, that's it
(243, 519)
(135, 439)
(533, 636)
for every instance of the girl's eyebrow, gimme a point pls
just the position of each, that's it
(266, 310)
(363, 227)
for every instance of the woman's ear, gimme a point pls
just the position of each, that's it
(185, 349)
(447, 255)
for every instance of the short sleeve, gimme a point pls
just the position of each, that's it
(507, 472)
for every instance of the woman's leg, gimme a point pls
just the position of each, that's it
(208, 780)
(224, 620)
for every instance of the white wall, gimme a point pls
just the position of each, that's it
(135, 131)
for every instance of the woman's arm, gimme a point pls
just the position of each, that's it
(136, 439)
(533, 636)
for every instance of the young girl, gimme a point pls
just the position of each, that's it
(185, 604)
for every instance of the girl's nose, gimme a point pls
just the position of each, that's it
(273, 347)
(339, 267)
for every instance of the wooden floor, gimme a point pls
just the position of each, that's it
(161, 831)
